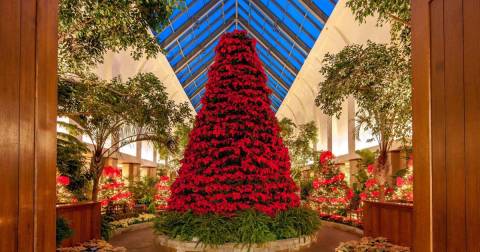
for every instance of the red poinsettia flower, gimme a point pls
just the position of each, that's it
(375, 194)
(326, 156)
(371, 168)
(164, 178)
(316, 183)
(63, 180)
(370, 183)
(341, 176)
(112, 172)
(363, 196)
(400, 181)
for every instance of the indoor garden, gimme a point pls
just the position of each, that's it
(234, 125)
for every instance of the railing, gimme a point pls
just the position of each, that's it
(84, 219)
(391, 220)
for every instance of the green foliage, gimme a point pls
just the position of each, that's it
(144, 192)
(173, 156)
(71, 159)
(63, 231)
(106, 227)
(397, 13)
(299, 140)
(246, 228)
(306, 188)
(367, 157)
(124, 112)
(378, 77)
(89, 28)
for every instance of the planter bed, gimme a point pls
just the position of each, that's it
(286, 245)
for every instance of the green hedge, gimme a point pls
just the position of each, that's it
(247, 227)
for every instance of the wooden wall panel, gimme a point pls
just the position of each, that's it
(28, 49)
(85, 220)
(446, 71)
(471, 47)
(390, 220)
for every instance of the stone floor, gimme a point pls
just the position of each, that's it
(142, 240)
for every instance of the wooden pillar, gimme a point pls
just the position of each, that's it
(329, 134)
(28, 105)
(354, 166)
(397, 162)
(133, 171)
(446, 123)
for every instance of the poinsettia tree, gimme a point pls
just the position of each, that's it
(163, 193)
(113, 189)
(235, 159)
(331, 194)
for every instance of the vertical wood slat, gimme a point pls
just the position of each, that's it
(439, 178)
(45, 123)
(471, 11)
(9, 119)
(28, 48)
(390, 220)
(455, 125)
(421, 125)
(84, 219)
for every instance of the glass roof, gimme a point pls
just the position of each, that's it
(285, 31)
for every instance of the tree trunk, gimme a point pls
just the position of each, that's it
(96, 169)
(382, 168)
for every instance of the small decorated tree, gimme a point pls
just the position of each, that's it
(113, 190)
(163, 193)
(331, 195)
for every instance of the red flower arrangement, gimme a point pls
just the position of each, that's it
(235, 158)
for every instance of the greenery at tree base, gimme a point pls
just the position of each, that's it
(115, 113)
(144, 192)
(299, 139)
(63, 231)
(71, 160)
(246, 227)
(378, 77)
(396, 13)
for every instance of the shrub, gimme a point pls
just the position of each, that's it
(246, 227)
(63, 231)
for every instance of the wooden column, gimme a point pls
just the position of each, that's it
(28, 105)
(354, 166)
(446, 123)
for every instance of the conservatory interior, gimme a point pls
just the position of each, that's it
(239, 125)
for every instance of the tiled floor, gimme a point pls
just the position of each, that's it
(142, 240)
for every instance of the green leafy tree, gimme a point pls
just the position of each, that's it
(173, 156)
(299, 140)
(114, 114)
(397, 13)
(378, 77)
(71, 159)
(89, 28)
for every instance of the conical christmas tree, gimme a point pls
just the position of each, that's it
(235, 159)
